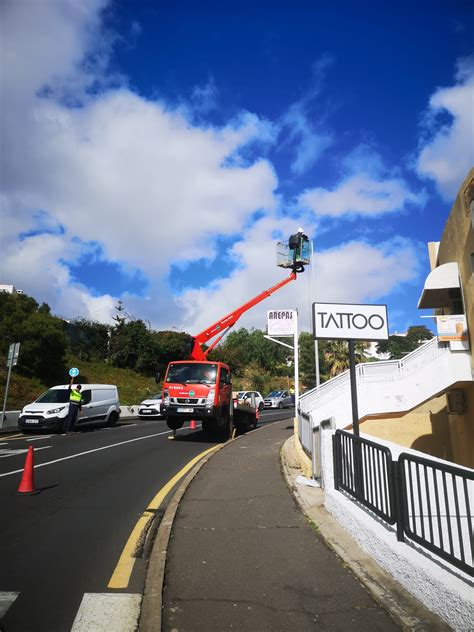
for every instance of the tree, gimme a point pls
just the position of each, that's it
(244, 348)
(88, 340)
(336, 355)
(128, 342)
(171, 345)
(398, 346)
(41, 337)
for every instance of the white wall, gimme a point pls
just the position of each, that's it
(445, 590)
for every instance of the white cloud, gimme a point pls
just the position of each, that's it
(368, 189)
(359, 272)
(38, 266)
(352, 272)
(447, 154)
(129, 173)
(152, 188)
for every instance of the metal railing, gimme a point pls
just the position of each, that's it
(380, 371)
(429, 501)
(364, 469)
(437, 501)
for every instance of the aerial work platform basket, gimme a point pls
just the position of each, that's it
(295, 253)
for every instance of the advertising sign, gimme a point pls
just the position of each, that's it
(281, 322)
(335, 321)
(452, 327)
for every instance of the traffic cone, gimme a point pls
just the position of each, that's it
(27, 484)
(192, 425)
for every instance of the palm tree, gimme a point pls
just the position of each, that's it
(336, 355)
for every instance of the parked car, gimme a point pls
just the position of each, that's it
(151, 407)
(278, 399)
(247, 395)
(100, 404)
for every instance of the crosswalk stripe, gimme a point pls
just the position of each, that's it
(108, 612)
(6, 600)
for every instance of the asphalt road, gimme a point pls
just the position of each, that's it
(65, 541)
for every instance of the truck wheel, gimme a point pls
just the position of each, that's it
(174, 423)
(223, 426)
(208, 427)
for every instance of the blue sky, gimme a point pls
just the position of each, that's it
(155, 152)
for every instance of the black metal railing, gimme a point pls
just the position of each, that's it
(429, 502)
(363, 469)
(436, 513)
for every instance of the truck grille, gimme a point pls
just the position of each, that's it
(186, 400)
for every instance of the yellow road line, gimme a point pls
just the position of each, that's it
(123, 571)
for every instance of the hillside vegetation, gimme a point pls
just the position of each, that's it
(130, 353)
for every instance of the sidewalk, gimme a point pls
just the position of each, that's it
(241, 554)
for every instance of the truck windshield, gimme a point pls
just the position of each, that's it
(192, 373)
(54, 396)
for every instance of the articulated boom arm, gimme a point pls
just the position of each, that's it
(221, 326)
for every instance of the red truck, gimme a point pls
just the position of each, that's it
(200, 389)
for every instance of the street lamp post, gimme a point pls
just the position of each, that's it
(311, 300)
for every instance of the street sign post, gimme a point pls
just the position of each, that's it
(12, 360)
(335, 321)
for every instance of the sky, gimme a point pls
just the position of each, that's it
(155, 153)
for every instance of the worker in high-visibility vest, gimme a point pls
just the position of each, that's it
(75, 403)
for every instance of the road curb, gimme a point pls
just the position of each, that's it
(405, 609)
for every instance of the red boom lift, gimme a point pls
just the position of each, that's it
(200, 389)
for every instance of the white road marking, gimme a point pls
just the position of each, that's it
(38, 438)
(4, 443)
(128, 426)
(105, 447)
(107, 612)
(6, 452)
(6, 600)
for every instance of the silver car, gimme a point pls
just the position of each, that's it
(278, 399)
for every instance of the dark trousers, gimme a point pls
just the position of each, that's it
(71, 417)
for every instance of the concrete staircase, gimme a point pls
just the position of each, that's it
(392, 386)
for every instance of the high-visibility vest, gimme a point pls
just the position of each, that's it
(75, 397)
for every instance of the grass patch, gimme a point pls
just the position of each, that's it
(133, 387)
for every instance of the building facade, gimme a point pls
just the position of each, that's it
(443, 425)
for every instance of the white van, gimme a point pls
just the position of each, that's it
(100, 404)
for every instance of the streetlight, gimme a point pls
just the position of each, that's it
(311, 294)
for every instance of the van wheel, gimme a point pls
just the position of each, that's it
(113, 418)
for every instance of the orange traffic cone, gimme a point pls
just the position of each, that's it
(192, 425)
(27, 485)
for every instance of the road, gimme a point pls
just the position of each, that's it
(66, 545)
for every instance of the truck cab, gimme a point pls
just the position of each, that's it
(199, 390)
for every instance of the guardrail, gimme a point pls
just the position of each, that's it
(430, 502)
